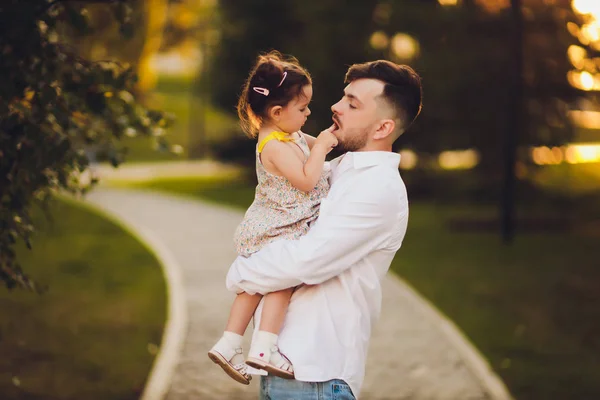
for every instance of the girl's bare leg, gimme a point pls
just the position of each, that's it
(274, 310)
(264, 352)
(241, 312)
(227, 352)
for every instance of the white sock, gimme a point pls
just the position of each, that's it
(267, 338)
(231, 341)
(262, 344)
(233, 338)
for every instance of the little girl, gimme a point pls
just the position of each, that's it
(292, 181)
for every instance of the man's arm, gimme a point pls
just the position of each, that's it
(341, 237)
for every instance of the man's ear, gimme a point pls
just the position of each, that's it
(386, 128)
(275, 113)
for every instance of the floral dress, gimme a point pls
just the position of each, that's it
(279, 210)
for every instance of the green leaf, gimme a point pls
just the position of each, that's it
(96, 102)
(155, 116)
(122, 12)
(53, 104)
(79, 19)
(48, 95)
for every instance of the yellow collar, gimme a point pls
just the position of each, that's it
(281, 136)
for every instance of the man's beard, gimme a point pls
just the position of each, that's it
(353, 142)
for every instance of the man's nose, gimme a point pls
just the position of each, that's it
(335, 108)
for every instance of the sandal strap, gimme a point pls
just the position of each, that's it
(284, 362)
(229, 353)
(242, 369)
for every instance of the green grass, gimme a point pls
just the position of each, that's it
(532, 308)
(579, 179)
(93, 334)
(230, 192)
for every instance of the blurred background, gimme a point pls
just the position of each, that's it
(502, 166)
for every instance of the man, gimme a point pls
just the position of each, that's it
(338, 265)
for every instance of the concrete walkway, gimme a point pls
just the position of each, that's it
(415, 352)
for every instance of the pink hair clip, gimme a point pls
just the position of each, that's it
(282, 79)
(263, 91)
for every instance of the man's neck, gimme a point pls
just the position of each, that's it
(376, 147)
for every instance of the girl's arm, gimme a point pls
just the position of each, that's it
(304, 176)
(284, 161)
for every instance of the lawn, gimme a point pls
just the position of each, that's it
(533, 308)
(94, 334)
(578, 179)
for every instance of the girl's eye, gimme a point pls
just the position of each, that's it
(302, 109)
(351, 106)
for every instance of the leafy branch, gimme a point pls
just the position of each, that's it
(56, 109)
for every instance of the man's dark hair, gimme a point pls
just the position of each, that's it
(402, 90)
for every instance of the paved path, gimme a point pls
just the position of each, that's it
(412, 356)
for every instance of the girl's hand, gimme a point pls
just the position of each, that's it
(326, 140)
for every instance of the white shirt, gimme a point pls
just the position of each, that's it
(346, 253)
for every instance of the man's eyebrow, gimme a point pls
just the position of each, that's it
(352, 97)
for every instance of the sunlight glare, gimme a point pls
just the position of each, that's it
(461, 159)
(408, 159)
(577, 56)
(585, 7)
(404, 46)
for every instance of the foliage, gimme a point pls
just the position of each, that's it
(468, 64)
(324, 38)
(464, 56)
(188, 21)
(56, 109)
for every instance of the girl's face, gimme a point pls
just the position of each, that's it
(293, 116)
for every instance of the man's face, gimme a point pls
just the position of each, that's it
(356, 114)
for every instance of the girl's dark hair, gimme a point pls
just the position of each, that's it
(267, 73)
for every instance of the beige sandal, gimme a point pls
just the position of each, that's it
(239, 372)
(273, 362)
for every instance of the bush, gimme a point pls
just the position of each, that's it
(53, 105)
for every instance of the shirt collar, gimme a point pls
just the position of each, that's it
(365, 159)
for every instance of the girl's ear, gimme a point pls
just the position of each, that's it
(275, 113)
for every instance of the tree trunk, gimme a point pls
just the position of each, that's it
(514, 128)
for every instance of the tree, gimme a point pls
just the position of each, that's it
(325, 36)
(192, 24)
(144, 29)
(465, 60)
(54, 104)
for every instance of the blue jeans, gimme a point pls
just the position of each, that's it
(274, 388)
